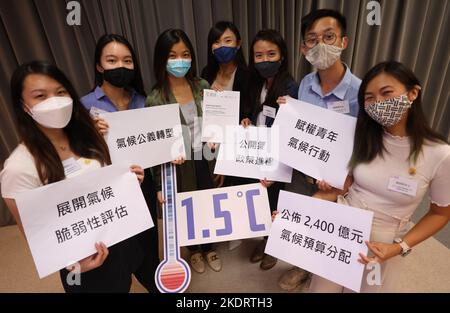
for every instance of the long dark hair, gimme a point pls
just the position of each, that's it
(84, 139)
(212, 67)
(281, 79)
(164, 44)
(137, 83)
(369, 134)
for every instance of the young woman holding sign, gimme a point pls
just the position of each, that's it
(54, 128)
(118, 80)
(394, 147)
(269, 79)
(175, 72)
(119, 87)
(227, 70)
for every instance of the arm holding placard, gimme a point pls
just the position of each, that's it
(92, 262)
(329, 195)
(101, 125)
(136, 169)
(266, 183)
(436, 218)
(333, 193)
(323, 185)
(246, 122)
(281, 100)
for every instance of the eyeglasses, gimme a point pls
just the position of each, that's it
(328, 38)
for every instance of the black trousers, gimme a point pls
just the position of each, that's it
(137, 255)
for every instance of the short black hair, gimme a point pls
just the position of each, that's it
(308, 20)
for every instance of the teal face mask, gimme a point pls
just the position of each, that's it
(178, 67)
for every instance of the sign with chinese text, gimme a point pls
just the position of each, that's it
(145, 137)
(64, 220)
(220, 111)
(222, 214)
(322, 237)
(316, 141)
(252, 152)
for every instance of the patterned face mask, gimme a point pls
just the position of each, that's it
(389, 112)
(322, 56)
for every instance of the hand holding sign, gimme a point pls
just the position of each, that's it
(100, 123)
(138, 171)
(91, 262)
(382, 251)
(266, 183)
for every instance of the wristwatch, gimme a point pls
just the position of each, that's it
(405, 248)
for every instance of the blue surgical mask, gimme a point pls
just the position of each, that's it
(178, 67)
(225, 54)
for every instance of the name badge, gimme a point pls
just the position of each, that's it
(96, 112)
(339, 106)
(403, 185)
(71, 166)
(269, 111)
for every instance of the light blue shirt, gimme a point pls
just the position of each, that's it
(311, 92)
(98, 99)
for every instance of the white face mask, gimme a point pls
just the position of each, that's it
(54, 112)
(322, 56)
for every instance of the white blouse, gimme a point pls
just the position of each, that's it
(371, 180)
(19, 173)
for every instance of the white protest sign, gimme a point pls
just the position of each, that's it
(146, 137)
(322, 237)
(222, 214)
(64, 220)
(220, 110)
(252, 152)
(316, 141)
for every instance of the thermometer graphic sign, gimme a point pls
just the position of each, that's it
(173, 274)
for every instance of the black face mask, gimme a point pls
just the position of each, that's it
(120, 77)
(268, 69)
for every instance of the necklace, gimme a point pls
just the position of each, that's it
(62, 147)
(412, 165)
